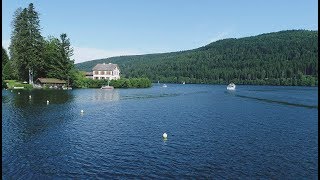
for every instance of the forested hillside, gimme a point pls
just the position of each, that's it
(279, 58)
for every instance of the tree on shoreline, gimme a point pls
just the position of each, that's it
(27, 44)
(57, 55)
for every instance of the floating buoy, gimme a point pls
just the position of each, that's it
(164, 135)
(18, 92)
(81, 111)
(47, 102)
(29, 96)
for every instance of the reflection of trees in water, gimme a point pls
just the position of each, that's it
(31, 137)
(5, 99)
(31, 116)
(40, 97)
(106, 95)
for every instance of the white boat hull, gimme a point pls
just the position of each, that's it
(107, 87)
(231, 87)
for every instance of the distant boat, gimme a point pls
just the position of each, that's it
(231, 86)
(164, 85)
(107, 86)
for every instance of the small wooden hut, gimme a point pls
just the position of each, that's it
(50, 83)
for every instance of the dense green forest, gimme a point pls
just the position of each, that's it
(279, 58)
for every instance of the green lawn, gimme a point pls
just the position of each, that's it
(13, 83)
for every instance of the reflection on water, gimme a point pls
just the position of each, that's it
(147, 96)
(106, 95)
(212, 133)
(32, 115)
(39, 97)
(5, 99)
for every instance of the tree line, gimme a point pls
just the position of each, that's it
(280, 58)
(80, 81)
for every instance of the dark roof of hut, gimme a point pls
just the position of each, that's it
(51, 81)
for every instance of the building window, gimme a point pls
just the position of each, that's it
(102, 72)
(96, 72)
(102, 77)
(96, 78)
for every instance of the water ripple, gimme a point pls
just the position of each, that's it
(211, 134)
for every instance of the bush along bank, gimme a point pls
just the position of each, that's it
(120, 83)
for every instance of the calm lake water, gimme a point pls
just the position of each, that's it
(254, 132)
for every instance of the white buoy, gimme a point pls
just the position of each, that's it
(47, 102)
(164, 135)
(29, 96)
(81, 111)
(18, 92)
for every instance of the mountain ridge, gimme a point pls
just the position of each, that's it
(286, 57)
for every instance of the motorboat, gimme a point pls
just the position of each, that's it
(164, 85)
(107, 86)
(231, 86)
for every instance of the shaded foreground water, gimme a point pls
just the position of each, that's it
(253, 132)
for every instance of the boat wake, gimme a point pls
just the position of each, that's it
(279, 102)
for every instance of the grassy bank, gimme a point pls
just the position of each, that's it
(11, 84)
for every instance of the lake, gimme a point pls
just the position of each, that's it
(253, 132)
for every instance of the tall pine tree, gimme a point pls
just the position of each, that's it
(66, 52)
(27, 44)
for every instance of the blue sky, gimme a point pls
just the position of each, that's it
(105, 28)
